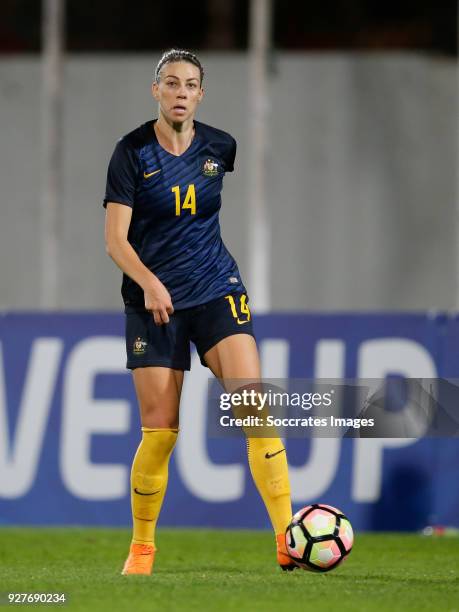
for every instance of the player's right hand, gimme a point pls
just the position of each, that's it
(158, 302)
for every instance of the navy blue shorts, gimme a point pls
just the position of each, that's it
(168, 345)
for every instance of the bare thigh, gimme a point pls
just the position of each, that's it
(158, 393)
(234, 357)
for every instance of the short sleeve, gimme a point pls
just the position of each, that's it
(230, 156)
(122, 175)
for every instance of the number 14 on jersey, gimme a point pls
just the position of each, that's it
(188, 202)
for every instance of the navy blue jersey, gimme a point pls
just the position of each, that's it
(175, 202)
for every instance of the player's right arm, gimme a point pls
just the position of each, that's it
(157, 298)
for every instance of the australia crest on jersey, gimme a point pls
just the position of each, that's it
(139, 347)
(210, 167)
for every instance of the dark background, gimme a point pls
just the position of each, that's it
(142, 25)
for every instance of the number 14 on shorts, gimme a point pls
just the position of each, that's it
(244, 309)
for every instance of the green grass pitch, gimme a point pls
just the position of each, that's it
(227, 570)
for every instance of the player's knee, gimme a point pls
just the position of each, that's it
(155, 416)
(246, 400)
(158, 421)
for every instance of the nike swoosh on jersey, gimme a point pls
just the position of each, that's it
(269, 455)
(139, 493)
(147, 175)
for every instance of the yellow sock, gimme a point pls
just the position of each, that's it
(268, 465)
(149, 481)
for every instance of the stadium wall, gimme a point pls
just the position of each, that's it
(69, 425)
(361, 174)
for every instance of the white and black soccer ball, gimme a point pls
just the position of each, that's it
(319, 538)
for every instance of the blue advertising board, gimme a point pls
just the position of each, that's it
(69, 425)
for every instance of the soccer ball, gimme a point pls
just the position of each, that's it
(319, 538)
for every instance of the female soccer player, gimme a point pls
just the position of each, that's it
(180, 283)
